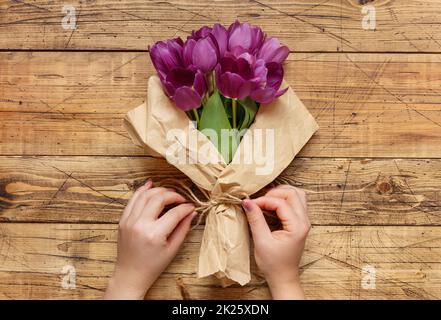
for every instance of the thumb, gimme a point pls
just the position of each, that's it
(259, 227)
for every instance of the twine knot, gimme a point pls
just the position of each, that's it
(210, 201)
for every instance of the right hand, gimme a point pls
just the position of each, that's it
(278, 253)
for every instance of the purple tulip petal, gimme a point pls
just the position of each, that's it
(237, 51)
(244, 68)
(201, 33)
(263, 96)
(268, 48)
(275, 75)
(217, 74)
(186, 98)
(221, 36)
(175, 47)
(215, 45)
(244, 38)
(230, 85)
(229, 64)
(188, 52)
(281, 92)
(179, 77)
(204, 55)
(280, 54)
(157, 61)
(238, 77)
(245, 90)
(166, 55)
(233, 26)
(170, 55)
(248, 57)
(240, 36)
(199, 83)
(169, 88)
(232, 29)
(257, 38)
(273, 51)
(260, 73)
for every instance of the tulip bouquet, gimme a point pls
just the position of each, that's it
(220, 76)
(222, 79)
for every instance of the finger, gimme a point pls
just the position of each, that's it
(142, 201)
(259, 228)
(284, 211)
(300, 206)
(128, 209)
(285, 193)
(294, 196)
(174, 216)
(176, 238)
(157, 203)
(302, 196)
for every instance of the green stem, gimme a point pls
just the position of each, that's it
(213, 81)
(210, 87)
(234, 107)
(196, 115)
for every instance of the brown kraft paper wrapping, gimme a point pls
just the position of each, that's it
(225, 247)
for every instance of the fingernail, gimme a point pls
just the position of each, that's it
(170, 189)
(194, 214)
(246, 204)
(148, 183)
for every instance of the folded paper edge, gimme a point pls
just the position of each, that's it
(138, 134)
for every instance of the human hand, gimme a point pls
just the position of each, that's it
(278, 253)
(147, 243)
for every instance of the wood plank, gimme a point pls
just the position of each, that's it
(304, 25)
(340, 191)
(406, 262)
(72, 103)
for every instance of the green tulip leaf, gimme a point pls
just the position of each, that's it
(214, 117)
(250, 108)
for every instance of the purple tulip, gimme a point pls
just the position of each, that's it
(273, 51)
(270, 91)
(201, 33)
(185, 87)
(242, 37)
(205, 47)
(219, 33)
(167, 55)
(201, 54)
(237, 77)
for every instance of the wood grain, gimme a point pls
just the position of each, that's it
(367, 105)
(304, 25)
(406, 261)
(372, 172)
(340, 191)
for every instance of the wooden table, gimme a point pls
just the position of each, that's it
(372, 172)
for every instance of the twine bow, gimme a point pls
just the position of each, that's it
(203, 207)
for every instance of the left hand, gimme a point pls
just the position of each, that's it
(148, 243)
